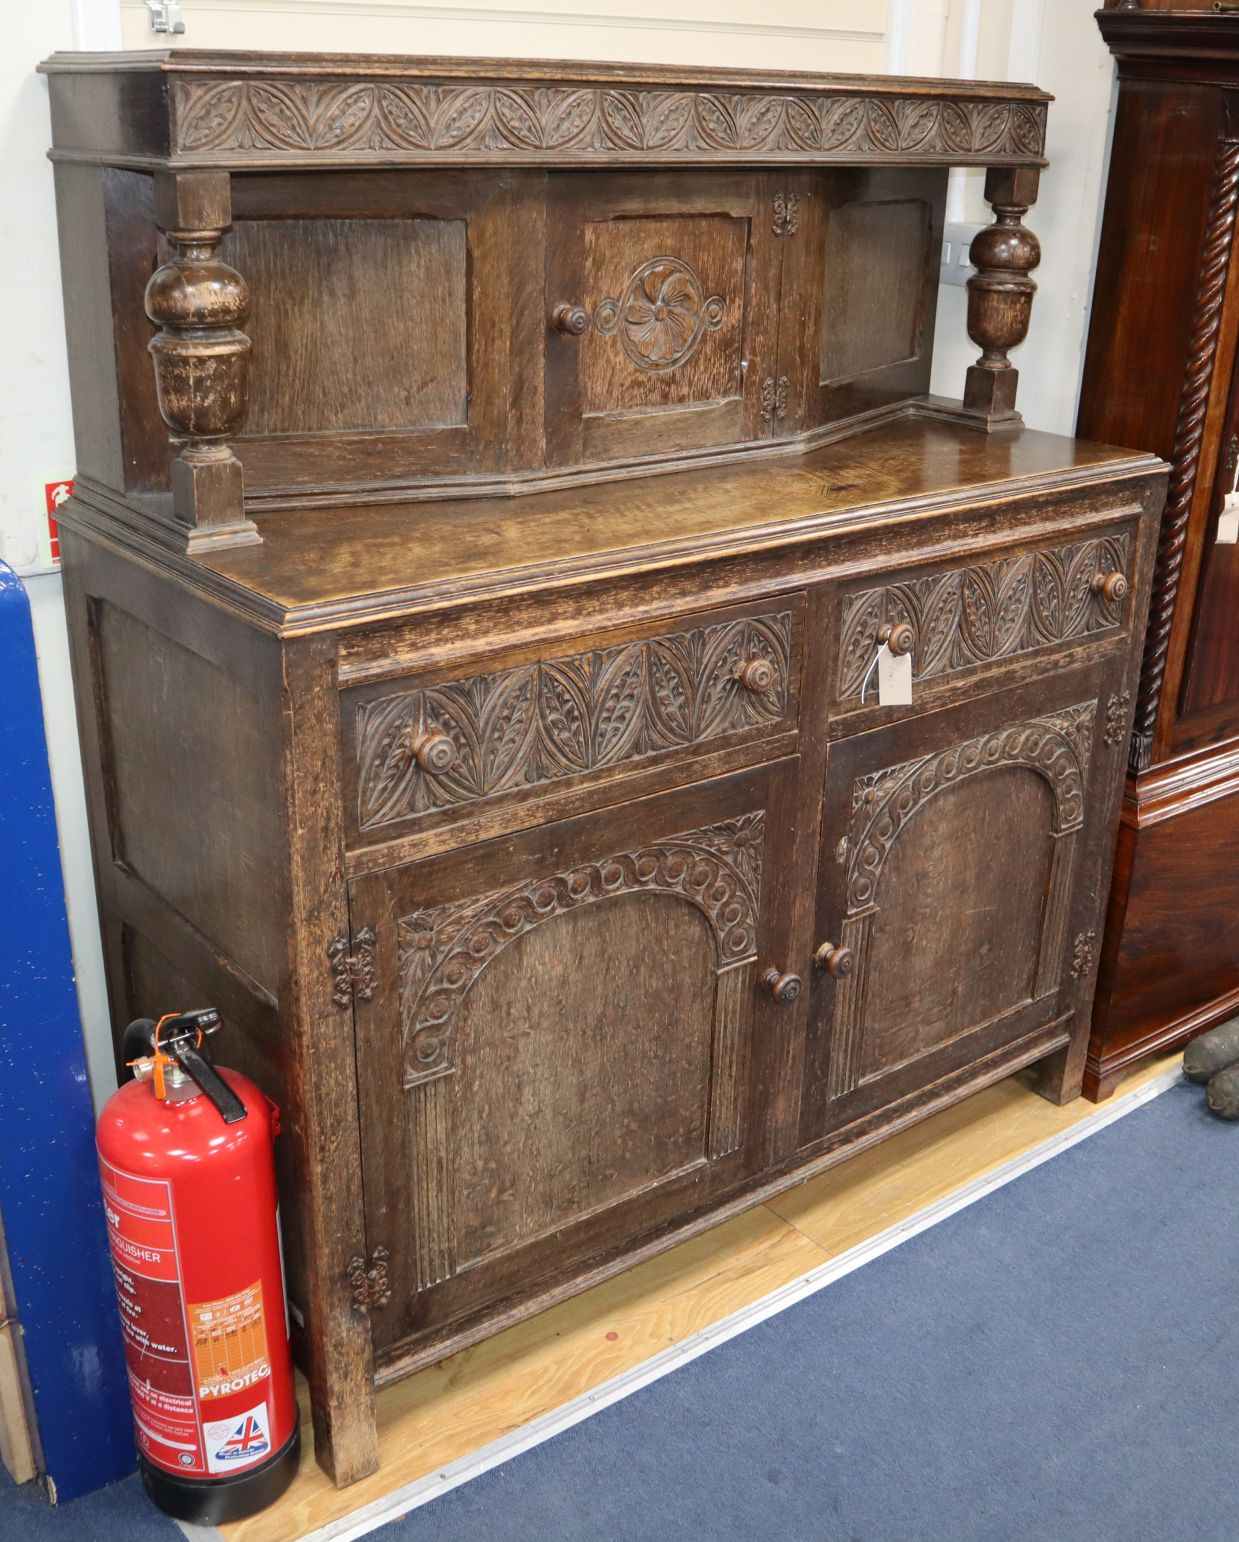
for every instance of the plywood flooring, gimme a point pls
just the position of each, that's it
(443, 1413)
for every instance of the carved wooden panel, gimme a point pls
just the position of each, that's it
(423, 121)
(992, 610)
(966, 920)
(541, 722)
(568, 1023)
(667, 301)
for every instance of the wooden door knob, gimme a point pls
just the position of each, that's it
(898, 637)
(835, 961)
(572, 319)
(785, 988)
(434, 752)
(756, 675)
(1110, 586)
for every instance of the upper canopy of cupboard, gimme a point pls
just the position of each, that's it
(184, 108)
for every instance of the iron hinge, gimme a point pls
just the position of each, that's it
(352, 964)
(774, 399)
(786, 214)
(369, 1279)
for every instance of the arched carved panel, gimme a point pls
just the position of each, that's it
(441, 953)
(1055, 747)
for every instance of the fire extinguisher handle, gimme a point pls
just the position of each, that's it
(230, 1107)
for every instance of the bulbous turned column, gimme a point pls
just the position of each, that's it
(201, 358)
(1000, 294)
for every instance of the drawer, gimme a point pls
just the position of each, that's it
(989, 614)
(419, 751)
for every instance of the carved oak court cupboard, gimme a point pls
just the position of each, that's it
(495, 483)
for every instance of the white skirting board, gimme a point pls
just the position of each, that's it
(420, 1492)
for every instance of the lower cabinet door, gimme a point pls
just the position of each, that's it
(952, 851)
(555, 1057)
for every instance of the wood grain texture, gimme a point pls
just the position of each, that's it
(873, 304)
(568, 1105)
(398, 366)
(557, 1101)
(321, 1119)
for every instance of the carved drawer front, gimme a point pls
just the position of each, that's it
(951, 919)
(555, 1040)
(427, 750)
(987, 615)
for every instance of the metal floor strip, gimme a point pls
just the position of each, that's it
(400, 1501)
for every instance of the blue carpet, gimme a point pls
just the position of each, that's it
(119, 1513)
(1056, 1363)
(1053, 1364)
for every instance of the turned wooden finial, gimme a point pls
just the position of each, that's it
(1000, 293)
(201, 357)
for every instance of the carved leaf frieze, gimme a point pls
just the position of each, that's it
(1056, 746)
(442, 951)
(357, 118)
(993, 610)
(542, 722)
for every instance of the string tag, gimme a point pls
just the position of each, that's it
(894, 678)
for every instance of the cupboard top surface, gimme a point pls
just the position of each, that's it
(183, 108)
(350, 558)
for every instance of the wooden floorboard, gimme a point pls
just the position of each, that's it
(447, 1411)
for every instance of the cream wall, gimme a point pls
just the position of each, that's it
(1054, 42)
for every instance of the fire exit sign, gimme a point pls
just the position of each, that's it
(54, 494)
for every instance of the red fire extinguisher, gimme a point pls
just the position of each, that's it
(186, 1160)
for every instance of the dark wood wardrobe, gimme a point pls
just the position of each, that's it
(1161, 373)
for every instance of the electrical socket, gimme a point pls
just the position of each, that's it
(956, 239)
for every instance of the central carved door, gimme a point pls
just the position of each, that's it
(662, 302)
(556, 1052)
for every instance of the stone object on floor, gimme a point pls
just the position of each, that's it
(1222, 1093)
(1212, 1052)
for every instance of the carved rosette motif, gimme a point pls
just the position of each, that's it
(1055, 746)
(662, 315)
(418, 118)
(441, 952)
(994, 610)
(545, 721)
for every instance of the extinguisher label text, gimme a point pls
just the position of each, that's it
(141, 1233)
(230, 1342)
